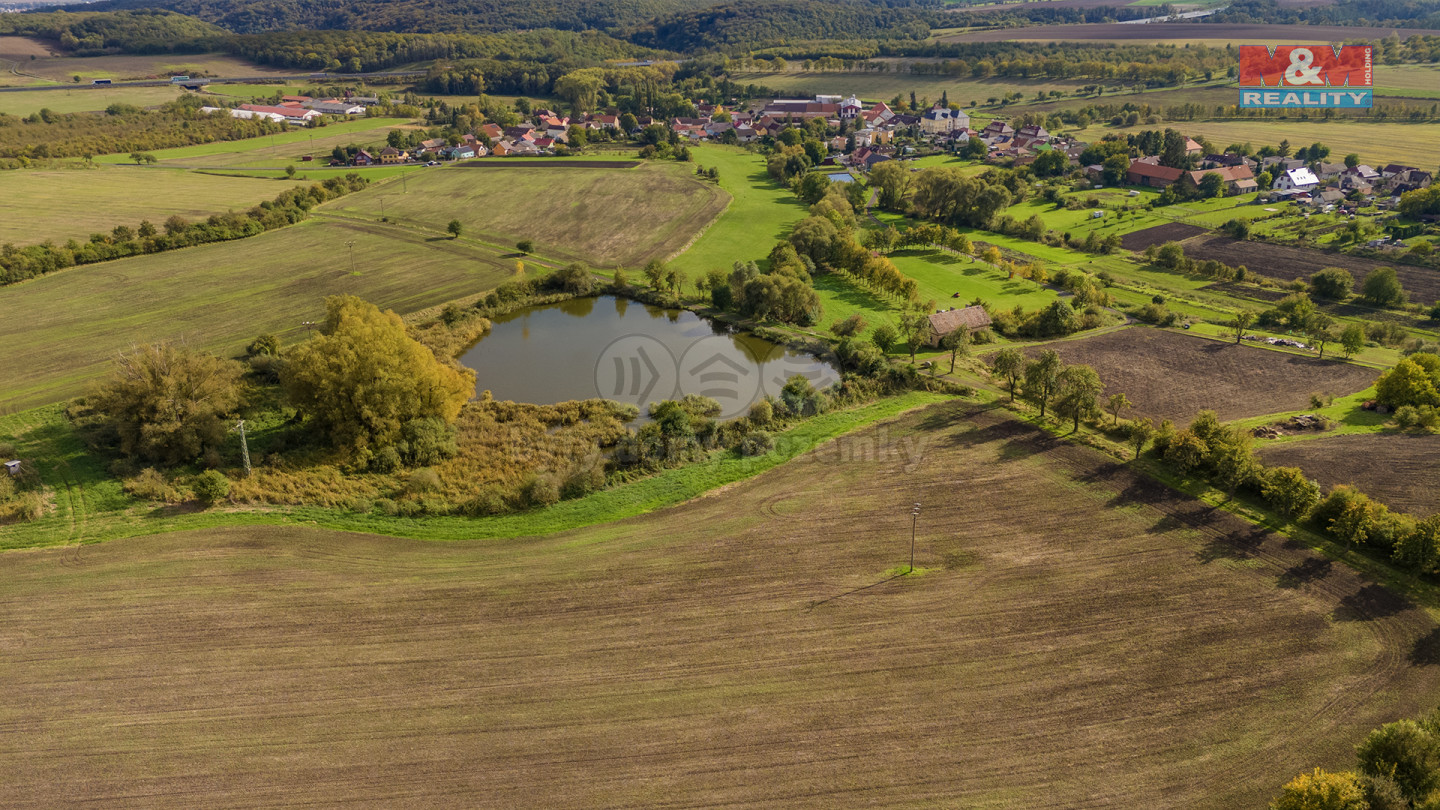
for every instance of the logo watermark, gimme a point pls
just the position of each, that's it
(639, 370)
(1306, 76)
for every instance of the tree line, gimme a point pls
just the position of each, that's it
(291, 206)
(123, 128)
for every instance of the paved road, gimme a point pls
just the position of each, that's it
(298, 77)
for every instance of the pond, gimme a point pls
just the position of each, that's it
(630, 352)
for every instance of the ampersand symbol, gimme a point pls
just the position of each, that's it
(1300, 70)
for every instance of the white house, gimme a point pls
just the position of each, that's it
(1296, 180)
(940, 120)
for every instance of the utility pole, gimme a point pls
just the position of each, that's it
(914, 516)
(351, 244)
(244, 447)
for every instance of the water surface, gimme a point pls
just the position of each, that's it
(618, 349)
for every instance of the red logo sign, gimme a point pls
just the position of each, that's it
(1305, 66)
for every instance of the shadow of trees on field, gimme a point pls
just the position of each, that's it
(1369, 603)
(1311, 570)
(1426, 651)
(1237, 545)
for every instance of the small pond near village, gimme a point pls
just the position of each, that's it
(631, 352)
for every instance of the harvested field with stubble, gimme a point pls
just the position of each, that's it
(1080, 637)
(1286, 262)
(1159, 235)
(1400, 470)
(1168, 375)
(603, 216)
(62, 330)
(1182, 32)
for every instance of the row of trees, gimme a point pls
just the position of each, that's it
(1072, 390)
(293, 205)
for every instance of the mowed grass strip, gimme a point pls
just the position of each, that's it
(606, 217)
(761, 212)
(74, 203)
(1077, 632)
(61, 330)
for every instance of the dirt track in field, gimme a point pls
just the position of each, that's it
(1400, 470)
(1168, 375)
(1286, 262)
(1081, 638)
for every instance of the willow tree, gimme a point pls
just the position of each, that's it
(364, 378)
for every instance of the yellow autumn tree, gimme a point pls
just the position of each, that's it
(1322, 791)
(364, 378)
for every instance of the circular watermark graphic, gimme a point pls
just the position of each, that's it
(636, 370)
(708, 369)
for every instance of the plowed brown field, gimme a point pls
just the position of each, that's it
(1168, 375)
(1080, 638)
(1400, 470)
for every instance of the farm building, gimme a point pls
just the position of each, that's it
(1238, 179)
(943, 323)
(12, 467)
(1151, 174)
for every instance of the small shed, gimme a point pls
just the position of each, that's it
(947, 321)
(12, 467)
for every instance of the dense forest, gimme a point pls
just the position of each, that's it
(1378, 13)
(251, 16)
(749, 24)
(88, 33)
(354, 51)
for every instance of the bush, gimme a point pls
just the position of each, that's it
(1407, 416)
(423, 480)
(211, 486)
(152, 485)
(387, 460)
(761, 413)
(488, 501)
(540, 489)
(757, 443)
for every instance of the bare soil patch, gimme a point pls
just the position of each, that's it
(1181, 31)
(1168, 375)
(1159, 235)
(1400, 470)
(1286, 262)
(1073, 614)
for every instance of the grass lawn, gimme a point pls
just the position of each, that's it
(760, 213)
(942, 274)
(84, 98)
(605, 217)
(60, 330)
(274, 150)
(1377, 143)
(74, 203)
(298, 665)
